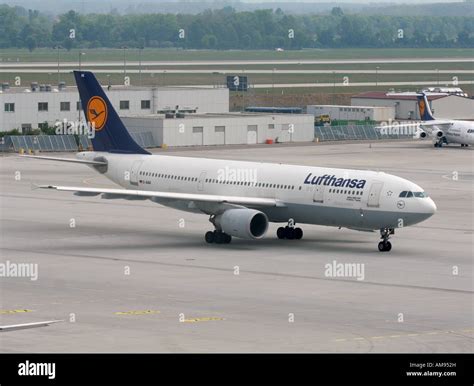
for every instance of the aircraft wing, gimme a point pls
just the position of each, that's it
(73, 160)
(143, 194)
(23, 326)
(436, 125)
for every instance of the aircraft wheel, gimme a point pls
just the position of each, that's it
(219, 237)
(209, 237)
(289, 233)
(385, 246)
(227, 238)
(281, 233)
(298, 233)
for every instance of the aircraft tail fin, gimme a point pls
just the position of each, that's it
(424, 108)
(111, 135)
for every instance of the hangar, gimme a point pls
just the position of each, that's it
(42, 105)
(223, 129)
(406, 104)
(357, 113)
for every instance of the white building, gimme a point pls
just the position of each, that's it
(355, 113)
(25, 109)
(224, 129)
(406, 104)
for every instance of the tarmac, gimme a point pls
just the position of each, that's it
(130, 276)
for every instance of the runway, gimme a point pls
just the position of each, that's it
(138, 277)
(209, 63)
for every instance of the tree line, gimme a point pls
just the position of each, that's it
(227, 29)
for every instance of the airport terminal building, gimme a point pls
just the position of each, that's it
(42, 105)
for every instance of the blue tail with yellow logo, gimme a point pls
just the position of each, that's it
(424, 108)
(111, 135)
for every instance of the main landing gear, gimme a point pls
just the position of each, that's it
(440, 142)
(289, 232)
(217, 236)
(385, 245)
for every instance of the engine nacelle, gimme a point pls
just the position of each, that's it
(422, 134)
(243, 223)
(438, 133)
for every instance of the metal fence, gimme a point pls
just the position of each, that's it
(61, 142)
(41, 143)
(355, 132)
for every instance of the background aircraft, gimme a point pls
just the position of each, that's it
(441, 130)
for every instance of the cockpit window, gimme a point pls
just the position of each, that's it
(413, 194)
(420, 194)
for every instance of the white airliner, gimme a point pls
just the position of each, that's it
(241, 198)
(443, 131)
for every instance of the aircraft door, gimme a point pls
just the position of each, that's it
(318, 195)
(134, 172)
(201, 179)
(374, 194)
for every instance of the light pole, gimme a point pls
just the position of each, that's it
(243, 91)
(334, 88)
(163, 80)
(80, 56)
(140, 65)
(124, 63)
(273, 87)
(59, 76)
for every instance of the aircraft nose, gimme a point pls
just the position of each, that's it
(429, 206)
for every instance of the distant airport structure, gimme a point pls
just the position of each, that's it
(39, 106)
(357, 113)
(450, 106)
(224, 129)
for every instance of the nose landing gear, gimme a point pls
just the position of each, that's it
(385, 245)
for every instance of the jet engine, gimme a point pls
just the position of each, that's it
(243, 223)
(438, 133)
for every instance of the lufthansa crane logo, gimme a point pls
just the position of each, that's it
(96, 112)
(422, 107)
